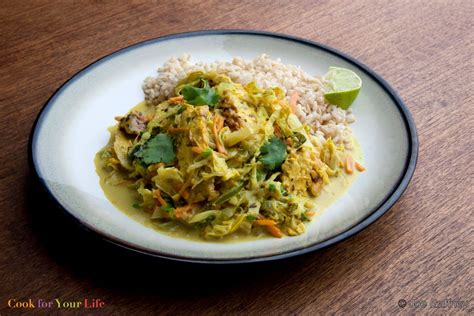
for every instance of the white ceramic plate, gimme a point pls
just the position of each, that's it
(72, 127)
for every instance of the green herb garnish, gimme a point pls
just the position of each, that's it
(200, 96)
(157, 149)
(273, 153)
(136, 205)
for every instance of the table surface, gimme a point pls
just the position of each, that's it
(420, 251)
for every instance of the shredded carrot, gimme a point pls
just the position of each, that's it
(270, 225)
(359, 167)
(185, 194)
(218, 124)
(157, 196)
(177, 99)
(310, 213)
(197, 150)
(264, 222)
(349, 164)
(275, 231)
(179, 212)
(277, 130)
(175, 130)
(289, 141)
(293, 99)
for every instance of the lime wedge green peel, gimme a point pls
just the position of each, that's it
(341, 86)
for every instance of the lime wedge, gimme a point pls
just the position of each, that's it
(341, 86)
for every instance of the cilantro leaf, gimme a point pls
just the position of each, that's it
(273, 153)
(200, 96)
(157, 149)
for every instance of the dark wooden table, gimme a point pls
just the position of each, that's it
(420, 251)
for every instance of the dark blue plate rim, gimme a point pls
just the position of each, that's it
(375, 213)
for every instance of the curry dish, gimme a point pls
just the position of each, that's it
(222, 159)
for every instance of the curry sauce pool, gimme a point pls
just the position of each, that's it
(219, 160)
